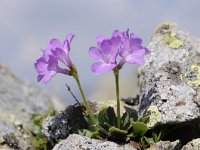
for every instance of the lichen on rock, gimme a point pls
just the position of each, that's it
(169, 37)
(171, 40)
(154, 116)
(192, 76)
(164, 79)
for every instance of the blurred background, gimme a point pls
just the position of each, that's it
(27, 26)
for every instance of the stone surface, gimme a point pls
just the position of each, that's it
(18, 101)
(170, 78)
(13, 135)
(77, 142)
(60, 126)
(66, 122)
(166, 145)
(193, 145)
(21, 98)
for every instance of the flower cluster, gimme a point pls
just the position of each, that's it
(127, 46)
(47, 65)
(122, 46)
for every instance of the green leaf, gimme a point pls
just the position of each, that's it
(107, 125)
(110, 113)
(143, 143)
(156, 137)
(101, 116)
(38, 120)
(130, 135)
(132, 113)
(40, 142)
(85, 132)
(139, 128)
(125, 121)
(111, 116)
(159, 136)
(144, 119)
(107, 118)
(149, 140)
(117, 130)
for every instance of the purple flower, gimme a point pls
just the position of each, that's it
(127, 46)
(61, 51)
(105, 54)
(47, 65)
(131, 49)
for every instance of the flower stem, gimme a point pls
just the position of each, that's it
(75, 75)
(116, 73)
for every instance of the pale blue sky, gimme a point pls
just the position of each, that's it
(27, 26)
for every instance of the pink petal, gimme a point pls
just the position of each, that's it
(47, 77)
(100, 38)
(54, 44)
(70, 37)
(136, 57)
(41, 66)
(106, 47)
(95, 53)
(67, 42)
(62, 56)
(100, 67)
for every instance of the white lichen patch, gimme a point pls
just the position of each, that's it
(154, 116)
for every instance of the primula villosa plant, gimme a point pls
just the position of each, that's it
(47, 65)
(123, 46)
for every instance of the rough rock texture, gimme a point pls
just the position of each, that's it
(21, 98)
(170, 78)
(77, 142)
(13, 136)
(193, 145)
(166, 145)
(18, 100)
(64, 123)
(60, 126)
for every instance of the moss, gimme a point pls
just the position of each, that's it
(154, 116)
(40, 142)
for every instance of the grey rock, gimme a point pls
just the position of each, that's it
(21, 98)
(170, 78)
(166, 145)
(18, 101)
(66, 122)
(77, 142)
(13, 135)
(72, 118)
(193, 145)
